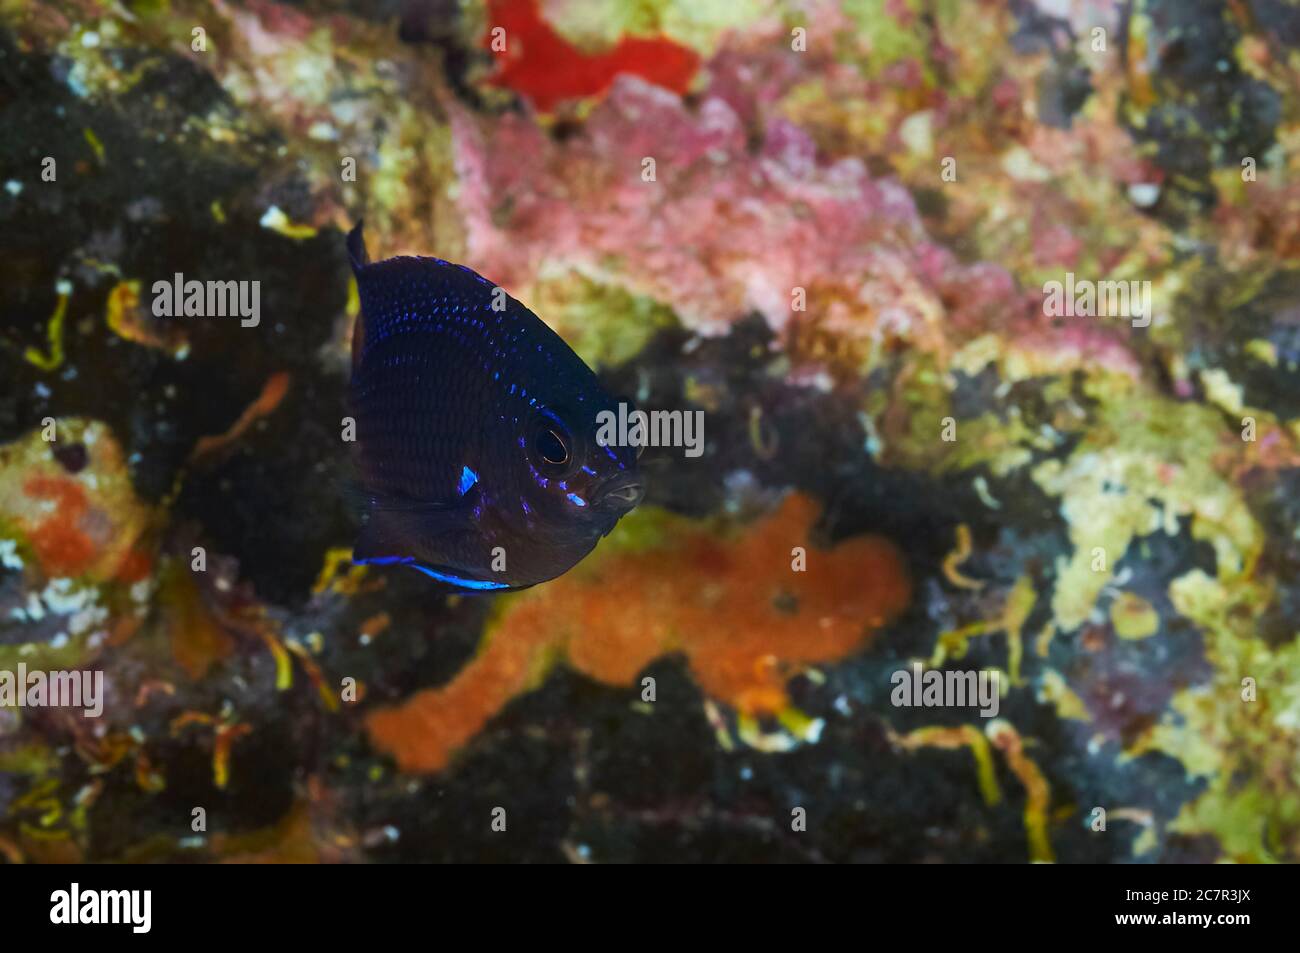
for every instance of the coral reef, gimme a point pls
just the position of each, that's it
(831, 227)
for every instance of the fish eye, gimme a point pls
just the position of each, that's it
(552, 447)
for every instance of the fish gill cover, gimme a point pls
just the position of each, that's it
(972, 329)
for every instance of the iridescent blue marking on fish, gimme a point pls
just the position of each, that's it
(439, 376)
(459, 581)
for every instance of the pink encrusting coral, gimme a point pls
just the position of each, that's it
(673, 203)
(719, 209)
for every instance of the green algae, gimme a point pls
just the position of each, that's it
(1245, 745)
(1144, 463)
(695, 23)
(605, 324)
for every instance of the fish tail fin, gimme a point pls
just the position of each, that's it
(357, 247)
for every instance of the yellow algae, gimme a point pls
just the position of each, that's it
(1262, 350)
(33, 758)
(226, 730)
(54, 333)
(952, 643)
(1044, 641)
(1053, 689)
(283, 663)
(1010, 619)
(223, 742)
(1133, 617)
(955, 737)
(329, 698)
(334, 577)
(1003, 445)
(1220, 390)
(1020, 602)
(958, 556)
(277, 221)
(1038, 793)
(129, 321)
(96, 146)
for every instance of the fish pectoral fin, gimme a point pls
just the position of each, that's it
(403, 528)
(382, 503)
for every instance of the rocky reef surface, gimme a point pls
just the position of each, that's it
(840, 251)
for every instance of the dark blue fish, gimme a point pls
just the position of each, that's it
(478, 458)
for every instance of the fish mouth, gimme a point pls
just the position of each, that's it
(621, 493)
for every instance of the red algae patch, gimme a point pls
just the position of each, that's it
(71, 500)
(539, 63)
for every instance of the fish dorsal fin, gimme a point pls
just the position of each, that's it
(356, 245)
(357, 248)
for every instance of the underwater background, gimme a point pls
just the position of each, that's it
(841, 253)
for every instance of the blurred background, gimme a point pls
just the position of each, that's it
(842, 251)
